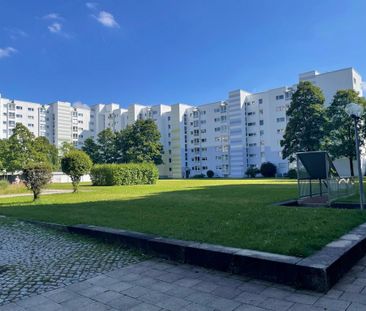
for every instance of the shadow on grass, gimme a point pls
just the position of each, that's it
(232, 215)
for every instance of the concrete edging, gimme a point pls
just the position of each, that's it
(318, 272)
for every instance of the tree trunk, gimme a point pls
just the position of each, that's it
(351, 166)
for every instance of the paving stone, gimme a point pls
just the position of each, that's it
(187, 282)
(11, 307)
(249, 308)
(61, 295)
(39, 259)
(250, 298)
(76, 303)
(302, 298)
(49, 306)
(173, 303)
(205, 286)
(305, 307)
(136, 291)
(179, 291)
(274, 292)
(276, 304)
(223, 304)
(107, 296)
(356, 307)
(145, 307)
(123, 302)
(333, 304)
(226, 292)
(197, 307)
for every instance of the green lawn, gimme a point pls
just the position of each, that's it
(229, 212)
(13, 189)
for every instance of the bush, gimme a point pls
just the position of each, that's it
(268, 169)
(36, 176)
(292, 173)
(76, 163)
(124, 174)
(4, 184)
(210, 174)
(252, 172)
(199, 176)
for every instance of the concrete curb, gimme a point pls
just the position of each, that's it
(318, 272)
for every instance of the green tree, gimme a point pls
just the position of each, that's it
(140, 142)
(106, 143)
(42, 146)
(65, 148)
(307, 120)
(20, 150)
(91, 149)
(36, 176)
(340, 134)
(75, 164)
(268, 169)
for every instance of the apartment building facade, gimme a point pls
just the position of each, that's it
(226, 136)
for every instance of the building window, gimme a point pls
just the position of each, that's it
(279, 97)
(261, 122)
(19, 107)
(282, 119)
(251, 123)
(260, 101)
(30, 109)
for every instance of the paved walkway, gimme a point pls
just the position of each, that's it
(151, 284)
(27, 194)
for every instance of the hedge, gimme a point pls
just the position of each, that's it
(124, 174)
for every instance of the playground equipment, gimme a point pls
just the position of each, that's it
(318, 180)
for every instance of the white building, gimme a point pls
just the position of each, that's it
(226, 136)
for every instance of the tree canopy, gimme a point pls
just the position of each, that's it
(340, 134)
(137, 143)
(307, 119)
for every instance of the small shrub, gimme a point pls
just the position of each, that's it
(268, 169)
(75, 164)
(210, 174)
(124, 174)
(197, 176)
(252, 172)
(36, 176)
(292, 173)
(4, 184)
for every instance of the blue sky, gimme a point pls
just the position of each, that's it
(168, 51)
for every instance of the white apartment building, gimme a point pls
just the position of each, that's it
(226, 136)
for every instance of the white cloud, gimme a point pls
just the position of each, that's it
(52, 16)
(91, 5)
(7, 52)
(107, 19)
(55, 27)
(15, 33)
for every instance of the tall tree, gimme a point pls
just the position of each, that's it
(43, 146)
(106, 143)
(340, 134)
(91, 148)
(142, 142)
(20, 149)
(307, 118)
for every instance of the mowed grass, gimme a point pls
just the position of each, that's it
(236, 213)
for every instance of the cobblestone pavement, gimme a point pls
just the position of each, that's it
(46, 263)
(34, 260)
(158, 285)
